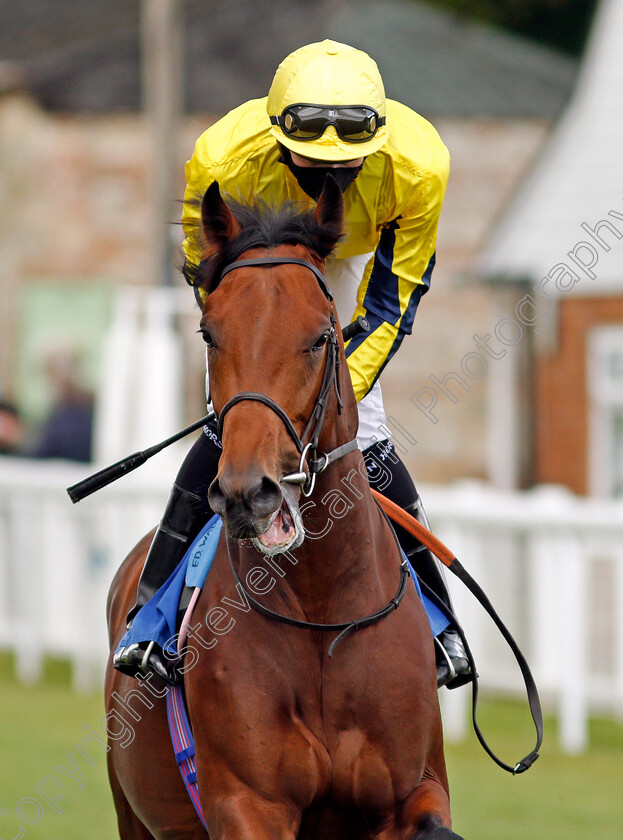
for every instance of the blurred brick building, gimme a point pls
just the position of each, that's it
(559, 248)
(76, 189)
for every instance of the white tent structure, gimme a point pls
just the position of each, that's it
(577, 183)
(560, 239)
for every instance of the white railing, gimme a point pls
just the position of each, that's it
(551, 563)
(57, 560)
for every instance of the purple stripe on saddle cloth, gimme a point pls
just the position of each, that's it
(184, 745)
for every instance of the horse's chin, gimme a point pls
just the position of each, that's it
(283, 530)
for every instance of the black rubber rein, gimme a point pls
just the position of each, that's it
(346, 627)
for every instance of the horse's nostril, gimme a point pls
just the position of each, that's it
(266, 499)
(216, 498)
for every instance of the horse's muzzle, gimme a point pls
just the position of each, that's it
(263, 511)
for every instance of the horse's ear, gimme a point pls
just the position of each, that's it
(219, 224)
(330, 215)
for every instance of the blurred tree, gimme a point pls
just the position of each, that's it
(558, 23)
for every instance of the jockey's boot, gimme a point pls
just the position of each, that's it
(453, 668)
(183, 517)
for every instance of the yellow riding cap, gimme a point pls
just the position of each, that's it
(328, 74)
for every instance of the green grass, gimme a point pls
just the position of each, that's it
(560, 797)
(39, 726)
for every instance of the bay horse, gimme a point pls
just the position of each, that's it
(294, 740)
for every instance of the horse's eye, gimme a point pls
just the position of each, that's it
(207, 337)
(320, 343)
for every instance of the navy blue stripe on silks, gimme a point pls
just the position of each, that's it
(382, 295)
(354, 343)
(406, 324)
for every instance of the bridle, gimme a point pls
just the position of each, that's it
(307, 443)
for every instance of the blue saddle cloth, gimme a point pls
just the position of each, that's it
(157, 620)
(437, 618)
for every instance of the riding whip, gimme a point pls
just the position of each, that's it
(106, 476)
(131, 462)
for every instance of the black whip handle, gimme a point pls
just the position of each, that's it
(359, 325)
(126, 465)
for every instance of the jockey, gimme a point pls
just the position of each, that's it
(326, 112)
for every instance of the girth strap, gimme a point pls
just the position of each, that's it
(184, 745)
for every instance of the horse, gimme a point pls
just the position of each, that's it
(300, 733)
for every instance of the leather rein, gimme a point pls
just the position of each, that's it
(306, 443)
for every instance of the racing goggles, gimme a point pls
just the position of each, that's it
(353, 123)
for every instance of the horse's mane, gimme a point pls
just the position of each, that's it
(263, 226)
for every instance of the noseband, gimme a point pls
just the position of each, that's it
(308, 442)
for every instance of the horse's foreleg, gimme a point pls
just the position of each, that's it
(247, 815)
(427, 810)
(130, 827)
